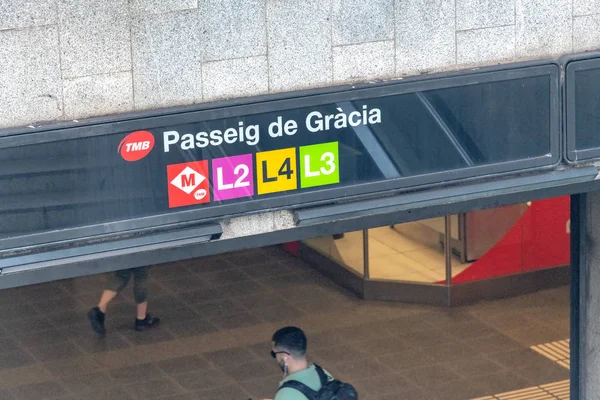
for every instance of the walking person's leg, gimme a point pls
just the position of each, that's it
(115, 284)
(143, 320)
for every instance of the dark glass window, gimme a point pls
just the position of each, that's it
(470, 125)
(587, 101)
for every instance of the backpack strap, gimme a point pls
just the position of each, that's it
(322, 375)
(301, 387)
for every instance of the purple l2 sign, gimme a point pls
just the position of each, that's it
(233, 177)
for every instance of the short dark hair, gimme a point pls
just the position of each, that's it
(291, 339)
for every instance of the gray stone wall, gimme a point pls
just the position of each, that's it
(72, 59)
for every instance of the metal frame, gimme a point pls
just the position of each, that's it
(104, 126)
(579, 290)
(443, 202)
(19, 263)
(447, 252)
(448, 248)
(53, 240)
(106, 261)
(526, 185)
(366, 262)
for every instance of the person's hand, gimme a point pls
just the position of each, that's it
(267, 399)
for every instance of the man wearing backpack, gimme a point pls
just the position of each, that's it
(302, 380)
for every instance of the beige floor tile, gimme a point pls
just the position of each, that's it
(429, 258)
(350, 246)
(394, 239)
(380, 249)
(357, 265)
(423, 277)
(395, 266)
(390, 270)
(433, 276)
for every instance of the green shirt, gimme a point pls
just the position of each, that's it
(308, 376)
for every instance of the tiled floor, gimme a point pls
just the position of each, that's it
(552, 391)
(218, 314)
(559, 352)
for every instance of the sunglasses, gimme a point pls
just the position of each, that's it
(274, 353)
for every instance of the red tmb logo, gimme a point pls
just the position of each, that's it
(188, 184)
(136, 145)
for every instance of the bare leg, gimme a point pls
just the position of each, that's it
(107, 297)
(114, 285)
(142, 309)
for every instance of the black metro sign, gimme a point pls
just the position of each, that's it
(280, 152)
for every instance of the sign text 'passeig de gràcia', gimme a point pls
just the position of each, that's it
(314, 122)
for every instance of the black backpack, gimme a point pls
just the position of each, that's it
(331, 389)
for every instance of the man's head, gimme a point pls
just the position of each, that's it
(289, 348)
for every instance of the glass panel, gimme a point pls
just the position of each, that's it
(488, 120)
(346, 249)
(411, 251)
(587, 104)
(490, 244)
(466, 126)
(484, 244)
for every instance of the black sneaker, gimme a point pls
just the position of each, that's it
(96, 318)
(146, 323)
